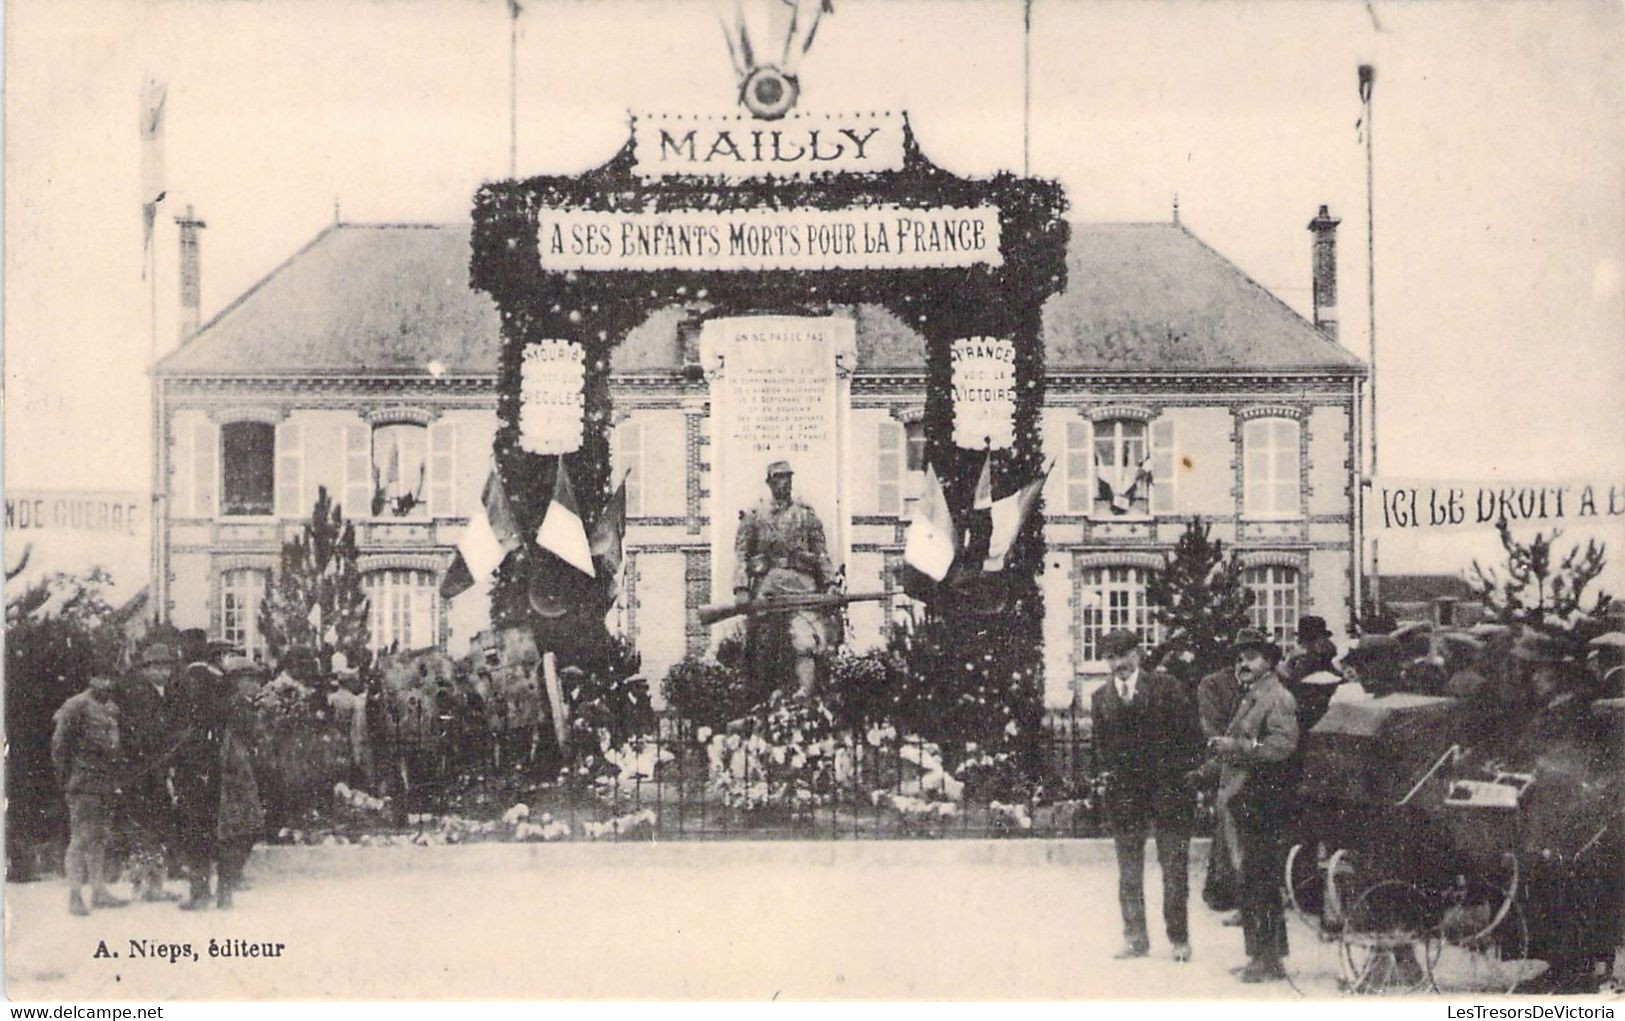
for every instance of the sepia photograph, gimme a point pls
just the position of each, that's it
(876, 500)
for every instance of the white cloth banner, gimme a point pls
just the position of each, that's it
(883, 237)
(1414, 505)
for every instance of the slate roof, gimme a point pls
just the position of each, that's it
(365, 299)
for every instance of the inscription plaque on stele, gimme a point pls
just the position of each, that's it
(776, 395)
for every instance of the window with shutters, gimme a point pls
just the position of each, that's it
(1113, 598)
(1272, 487)
(400, 470)
(1275, 601)
(1122, 465)
(629, 462)
(403, 609)
(248, 468)
(241, 593)
(891, 452)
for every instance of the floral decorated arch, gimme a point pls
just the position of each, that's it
(516, 236)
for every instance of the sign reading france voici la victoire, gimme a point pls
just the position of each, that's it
(770, 226)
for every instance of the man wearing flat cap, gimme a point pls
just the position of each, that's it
(150, 724)
(1253, 758)
(1145, 740)
(780, 550)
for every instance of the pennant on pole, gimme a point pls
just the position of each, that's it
(154, 95)
(491, 533)
(984, 484)
(930, 543)
(1009, 514)
(610, 530)
(561, 532)
(458, 579)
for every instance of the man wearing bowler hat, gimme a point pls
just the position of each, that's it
(780, 550)
(1253, 759)
(1145, 739)
(1310, 674)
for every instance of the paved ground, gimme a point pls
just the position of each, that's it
(887, 920)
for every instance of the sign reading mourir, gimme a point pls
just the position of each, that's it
(768, 229)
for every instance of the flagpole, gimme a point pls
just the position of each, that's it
(513, 92)
(1026, 86)
(1368, 76)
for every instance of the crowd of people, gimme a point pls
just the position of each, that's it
(174, 767)
(161, 758)
(1166, 734)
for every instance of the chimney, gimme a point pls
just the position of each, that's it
(191, 281)
(1324, 261)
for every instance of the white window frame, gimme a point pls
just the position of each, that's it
(1277, 600)
(400, 602)
(1115, 431)
(1113, 596)
(1272, 483)
(243, 591)
(220, 468)
(420, 509)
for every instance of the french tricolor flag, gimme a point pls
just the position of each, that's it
(562, 532)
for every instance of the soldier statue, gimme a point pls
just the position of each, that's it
(780, 550)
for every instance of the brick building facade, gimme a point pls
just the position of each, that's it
(366, 365)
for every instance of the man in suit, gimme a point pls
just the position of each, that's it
(1145, 740)
(1253, 758)
(150, 729)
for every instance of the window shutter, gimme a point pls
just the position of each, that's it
(889, 453)
(443, 470)
(290, 470)
(665, 464)
(1286, 468)
(1080, 466)
(357, 473)
(1164, 467)
(205, 467)
(1255, 466)
(629, 462)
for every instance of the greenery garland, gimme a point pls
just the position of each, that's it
(598, 309)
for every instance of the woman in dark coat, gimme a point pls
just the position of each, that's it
(218, 804)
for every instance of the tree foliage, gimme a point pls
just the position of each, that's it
(1199, 597)
(1539, 589)
(317, 601)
